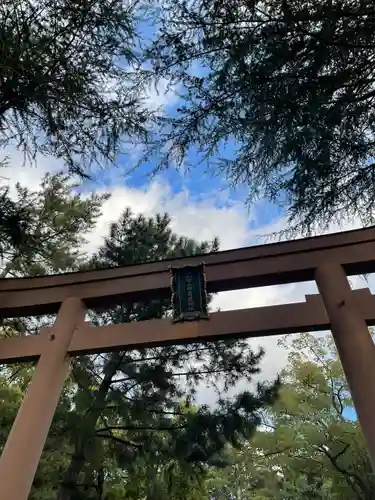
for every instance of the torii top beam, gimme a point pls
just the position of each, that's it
(271, 264)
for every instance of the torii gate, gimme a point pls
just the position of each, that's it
(326, 259)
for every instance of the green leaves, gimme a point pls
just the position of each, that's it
(290, 86)
(307, 448)
(66, 87)
(53, 223)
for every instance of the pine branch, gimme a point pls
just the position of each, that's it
(140, 428)
(150, 410)
(276, 452)
(181, 374)
(119, 440)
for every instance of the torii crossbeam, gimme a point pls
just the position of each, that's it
(326, 259)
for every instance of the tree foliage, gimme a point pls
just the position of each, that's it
(66, 88)
(65, 84)
(310, 445)
(13, 222)
(289, 86)
(54, 221)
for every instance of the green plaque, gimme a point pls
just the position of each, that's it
(189, 296)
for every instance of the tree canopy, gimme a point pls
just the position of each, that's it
(279, 95)
(65, 79)
(310, 445)
(66, 88)
(54, 221)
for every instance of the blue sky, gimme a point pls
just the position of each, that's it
(350, 414)
(199, 181)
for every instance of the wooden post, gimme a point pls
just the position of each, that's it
(354, 344)
(22, 451)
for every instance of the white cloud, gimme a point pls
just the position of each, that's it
(160, 95)
(28, 174)
(199, 219)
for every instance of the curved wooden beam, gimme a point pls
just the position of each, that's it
(272, 264)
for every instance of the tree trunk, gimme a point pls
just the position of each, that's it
(71, 479)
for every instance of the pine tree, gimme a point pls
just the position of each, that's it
(54, 222)
(291, 85)
(66, 87)
(133, 409)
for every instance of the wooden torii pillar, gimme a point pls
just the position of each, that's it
(354, 344)
(327, 259)
(24, 446)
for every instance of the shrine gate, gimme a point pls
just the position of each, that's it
(327, 259)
